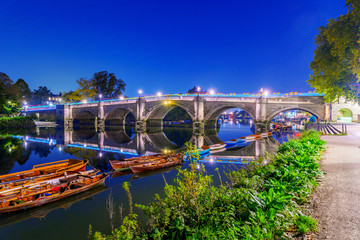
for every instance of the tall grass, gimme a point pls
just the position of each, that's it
(261, 202)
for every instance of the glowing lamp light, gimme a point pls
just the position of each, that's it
(266, 93)
(84, 101)
(198, 89)
(100, 96)
(159, 94)
(121, 98)
(100, 154)
(140, 91)
(212, 92)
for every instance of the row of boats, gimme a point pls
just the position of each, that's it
(46, 183)
(238, 142)
(50, 182)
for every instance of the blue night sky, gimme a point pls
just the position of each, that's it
(168, 46)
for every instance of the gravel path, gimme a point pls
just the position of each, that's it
(336, 204)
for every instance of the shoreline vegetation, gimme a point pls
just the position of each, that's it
(264, 201)
(16, 123)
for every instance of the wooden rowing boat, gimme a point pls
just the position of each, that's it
(171, 161)
(10, 191)
(46, 170)
(217, 146)
(66, 187)
(42, 211)
(125, 165)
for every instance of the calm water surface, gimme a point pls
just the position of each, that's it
(70, 218)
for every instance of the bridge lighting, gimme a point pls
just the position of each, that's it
(100, 96)
(84, 101)
(266, 93)
(51, 104)
(212, 92)
(198, 89)
(159, 94)
(140, 91)
(121, 98)
(60, 99)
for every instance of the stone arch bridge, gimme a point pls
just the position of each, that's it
(203, 110)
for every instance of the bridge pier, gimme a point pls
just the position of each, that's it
(140, 126)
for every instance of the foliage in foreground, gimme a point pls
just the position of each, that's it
(16, 122)
(261, 202)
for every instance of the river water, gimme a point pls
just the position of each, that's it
(70, 218)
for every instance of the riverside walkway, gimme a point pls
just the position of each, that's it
(336, 204)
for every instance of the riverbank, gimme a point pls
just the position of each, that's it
(335, 205)
(263, 201)
(16, 123)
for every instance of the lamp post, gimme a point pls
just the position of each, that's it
(140, 92)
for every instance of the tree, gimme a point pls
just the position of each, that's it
(336, 65)
(107, 84)
(5, 85)
(22, 89)
(86, 90)
(101, 83)
(41, 95)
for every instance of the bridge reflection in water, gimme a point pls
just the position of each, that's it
(126, 143)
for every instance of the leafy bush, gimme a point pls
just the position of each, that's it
(261, 202)
(16, 122)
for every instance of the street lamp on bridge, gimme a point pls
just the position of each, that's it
(140, 92)
(263, 92)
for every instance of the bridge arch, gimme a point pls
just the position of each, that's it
(117, 115)
(276, 112)
(217, 111)
(84, 117)
(344, 115)
(156, 114)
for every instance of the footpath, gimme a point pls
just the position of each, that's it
(336, 204)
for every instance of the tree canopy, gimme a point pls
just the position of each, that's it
(103, 83)
(336, 65)
(22, 89)
(41, 95)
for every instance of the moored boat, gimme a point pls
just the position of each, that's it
(46, 170)
(125, 165)
(171, 161)
(217, 146)
(9, 189)
(65, 188)
(230, 143)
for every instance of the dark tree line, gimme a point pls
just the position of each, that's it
(14, 94)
